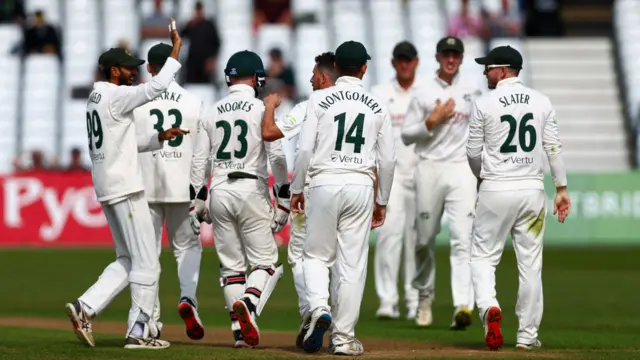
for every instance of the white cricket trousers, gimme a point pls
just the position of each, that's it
(449, 187)
(397, 235)
(297, 237)
(243, 238)
(338, 226)
(186, 245)
(520, 213)
(136, 263)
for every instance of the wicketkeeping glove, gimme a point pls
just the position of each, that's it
(198, 211)
(283, 207)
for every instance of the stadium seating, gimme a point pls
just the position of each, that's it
(38, 107)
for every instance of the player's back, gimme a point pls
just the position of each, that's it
(112, 142)
(516, 119)
(349, 121)
(238, 148)
(166, 172)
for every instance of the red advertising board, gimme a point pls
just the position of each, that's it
(55, 209)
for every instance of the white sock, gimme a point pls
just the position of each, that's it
(138, 329)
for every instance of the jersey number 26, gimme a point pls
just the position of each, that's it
(522, 128)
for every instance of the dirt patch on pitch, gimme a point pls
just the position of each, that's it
(282, 342)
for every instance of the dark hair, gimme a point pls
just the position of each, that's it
(106, 72)
(351, 70)
(325, 63)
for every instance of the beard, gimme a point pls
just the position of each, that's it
(125, 80)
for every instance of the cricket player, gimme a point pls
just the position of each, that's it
(398, 234)
(437, 122)
(243, 217)
(346, 132)
(511, 130)
(324, 76)
(117, 179)
(166, 180)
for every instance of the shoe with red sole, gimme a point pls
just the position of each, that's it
(245, 313)
(493, 335)
(189, 314)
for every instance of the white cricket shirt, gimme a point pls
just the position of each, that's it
(231, 132)
(397, 100)
(511, 129)
(346, 130)
(113, 144)
(446, 142)
(166, 171)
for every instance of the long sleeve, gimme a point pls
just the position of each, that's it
(414, 128)
(149, 142)
(553, 148)
(127, 98)
(475, 141)
(200, 158)
(278, 161)
(306, 143)
(386, 158)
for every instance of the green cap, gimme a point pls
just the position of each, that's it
(502, 56)
(159, 53)
(351, 53)
(450, 43)
(118, 57)
(244, 63)
(405, 50)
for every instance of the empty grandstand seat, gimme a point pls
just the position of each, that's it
(80, 42)
(121, 21)
(74, 130)
(274, 36)
(473, 48)
(205, 92)
(40, 103)
(387, 31)
(318, 8)
(10, 36)
(311, 41)
(10, 68)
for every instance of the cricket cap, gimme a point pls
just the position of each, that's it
(118, 57)
(244, 63)
(159, 53)
(351, 53)
(502, 56)
(405, 50)
(450, 43)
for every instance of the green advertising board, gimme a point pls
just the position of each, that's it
(605, 210)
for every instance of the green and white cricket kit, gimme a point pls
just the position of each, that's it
(240, 205)
(166, 179)
(511, 130)
(346, 133)
(117, 179)
(444, 183)
(398, 234)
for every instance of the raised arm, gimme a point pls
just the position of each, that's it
(475, 141)
(386, 158)
(270, 131)
(127, 98)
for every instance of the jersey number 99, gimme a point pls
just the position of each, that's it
(94, 129)
(522, 128)
(159, 125)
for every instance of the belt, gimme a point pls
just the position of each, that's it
(241, 175)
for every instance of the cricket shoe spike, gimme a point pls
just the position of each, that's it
(81, 322)
(189, 314)
(492, 332)
(320, 323)
(534, 345)
(245, 312)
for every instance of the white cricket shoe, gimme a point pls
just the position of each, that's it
(424, 316)
(388, 313)
(351, 348)
(534, 345)
(302, 331)
(148, 340)
(320, 323)
(81, 322)
(412, 311)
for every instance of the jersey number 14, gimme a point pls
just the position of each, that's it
(357, 127)
(522, 128)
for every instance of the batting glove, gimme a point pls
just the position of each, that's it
(198, 211)
(283, 207)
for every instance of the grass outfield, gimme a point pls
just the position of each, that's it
(591, 301)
